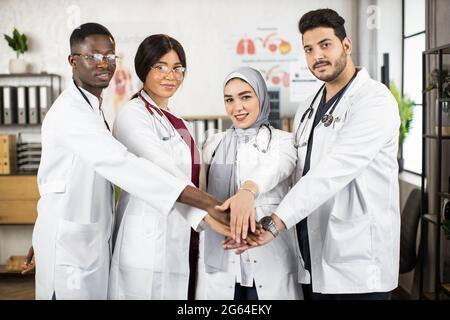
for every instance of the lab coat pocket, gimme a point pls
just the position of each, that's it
(79, 244)
(138, 242)
(348, 241)
(335, 128)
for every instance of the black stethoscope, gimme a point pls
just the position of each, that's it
(327, 119)
(170, 131)
(90, 105)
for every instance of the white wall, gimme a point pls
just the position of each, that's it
(390, 38)
(208, 29)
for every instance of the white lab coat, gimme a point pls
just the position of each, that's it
(80, 160)
(277, 268)
(350, 193)
(151, 253)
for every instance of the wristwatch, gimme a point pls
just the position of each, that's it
(269, 225)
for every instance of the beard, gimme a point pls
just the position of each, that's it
(339, 64)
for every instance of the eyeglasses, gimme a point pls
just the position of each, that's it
(178, 72)
(97, 58)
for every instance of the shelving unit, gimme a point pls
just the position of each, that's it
(442, 290)
(27, 92)
(274, 100)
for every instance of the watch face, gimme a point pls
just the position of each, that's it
(265, 221)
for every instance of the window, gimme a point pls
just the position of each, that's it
(413, 45)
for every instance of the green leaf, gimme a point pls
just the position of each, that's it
(10, 41)
(405, 109)
(18, 42)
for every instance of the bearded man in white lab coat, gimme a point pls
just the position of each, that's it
(80, 161)
(345, 202)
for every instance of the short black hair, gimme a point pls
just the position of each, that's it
(87, 29)
(327, 18)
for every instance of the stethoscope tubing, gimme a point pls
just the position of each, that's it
(170, 130)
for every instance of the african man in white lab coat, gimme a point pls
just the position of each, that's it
(80, 161)
(345, 203)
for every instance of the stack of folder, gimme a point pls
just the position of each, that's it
(28, 156)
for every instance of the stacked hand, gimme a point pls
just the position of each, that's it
(241, 208)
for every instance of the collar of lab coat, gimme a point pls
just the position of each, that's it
(147, 97)
(92, 99)
(361, 77)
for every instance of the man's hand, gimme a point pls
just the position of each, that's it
(217, 226)
(254, 240)
(221, 216)
(29, 265)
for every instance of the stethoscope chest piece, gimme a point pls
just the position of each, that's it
(327, 119)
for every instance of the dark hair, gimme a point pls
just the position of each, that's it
(152, 49)
(327, 18)
(87, 29)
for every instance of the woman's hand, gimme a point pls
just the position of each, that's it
(242, 211)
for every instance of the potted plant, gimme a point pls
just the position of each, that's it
(18, 42)
(432, 85)
(405, 109)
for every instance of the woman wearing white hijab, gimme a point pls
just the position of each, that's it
(251, 162)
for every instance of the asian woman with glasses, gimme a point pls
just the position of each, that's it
(153, 249)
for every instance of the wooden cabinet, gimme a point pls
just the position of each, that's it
(18, 199)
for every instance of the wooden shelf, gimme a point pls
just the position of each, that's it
(445, 49)
(432, 296)
(444, 195)
(432, 218)
(18, 199)
(445, 287)
(435, 136)
(4, 271)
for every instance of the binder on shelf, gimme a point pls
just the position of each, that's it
(191, 124)
(9, 105)
(8, 153)
(33, 110)
(211, 128)
(199, 132)
(1, 110)
(286, 125)
(22, 114)
(44, 101)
